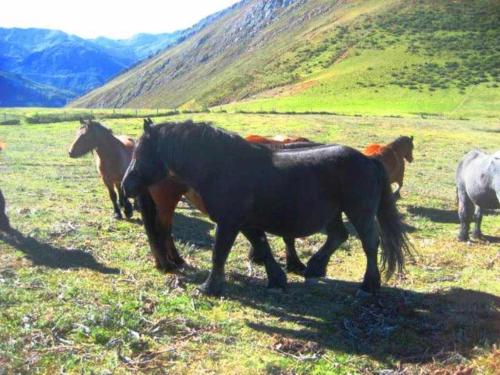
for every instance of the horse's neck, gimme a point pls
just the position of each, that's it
(399, 148)
(108, 146)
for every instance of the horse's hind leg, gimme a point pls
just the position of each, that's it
(4, 220)
(465, 212)
(293, 263)
(113, 197)
(336, 235)
(275, 275)
(370, 238)
(124, 202)
(478, 218)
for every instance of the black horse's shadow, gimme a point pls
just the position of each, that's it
(192, 230)
(436, 215)
(397, 324)
(43, 254)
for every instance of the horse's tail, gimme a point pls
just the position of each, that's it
(394, 241)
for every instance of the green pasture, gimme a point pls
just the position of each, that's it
(79, 292)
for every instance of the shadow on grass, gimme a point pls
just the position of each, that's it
(43, 254)
(192, 230)
(396, 325)
(436, 215)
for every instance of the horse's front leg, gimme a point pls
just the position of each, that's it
(465, 212)
(124, 202)
(114, 199)
(154, 233)
(293, 263)
(275, 275)
(224, 239)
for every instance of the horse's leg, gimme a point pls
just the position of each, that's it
(154, 233)
(370, 238)
(336, 235)
(399, 181)
(478, 218)
(124, 202)
(275, 275)
(165, 219)
(293, 263)
(465, 211)
(113, 197)
(4, 220)
(225, 236)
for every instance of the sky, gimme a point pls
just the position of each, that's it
(110, 18)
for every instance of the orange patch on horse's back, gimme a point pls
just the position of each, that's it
(127, 141)
(277, 139)
(373, 149)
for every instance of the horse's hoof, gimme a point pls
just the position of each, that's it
(210, 290)
(214, 286)
(118, 216)
(296, 268)
(311, 281)
(129, 214)
(461, 238)
(278, 281)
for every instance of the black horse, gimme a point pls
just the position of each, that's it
(249, 188)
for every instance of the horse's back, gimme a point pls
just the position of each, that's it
(373, 149)
(128, 142)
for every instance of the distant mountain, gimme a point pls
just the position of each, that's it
(16, 91)
(59, 62)
(376, 56)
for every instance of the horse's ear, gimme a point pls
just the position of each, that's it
(411, 138)
(148, 124)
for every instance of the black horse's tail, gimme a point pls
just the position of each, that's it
(394, 241)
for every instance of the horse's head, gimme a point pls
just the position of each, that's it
(408, 148)
(85, 139)
(145, 169)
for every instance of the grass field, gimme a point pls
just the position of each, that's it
(79, 292)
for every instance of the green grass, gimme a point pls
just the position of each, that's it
(79, 292)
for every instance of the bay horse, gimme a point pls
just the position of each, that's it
(158, 205)
(112, 156)
(4, 220)
(249, 188)
(393, 156)
(478, 188)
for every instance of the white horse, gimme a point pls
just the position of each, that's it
(478, 188)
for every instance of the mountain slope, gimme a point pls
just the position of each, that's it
(16, 91)
(396, 56)
(70, 63)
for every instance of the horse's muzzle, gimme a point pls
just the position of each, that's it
(131, 186)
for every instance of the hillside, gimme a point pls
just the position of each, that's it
(374, 56)
(16, 91)
(56, 61)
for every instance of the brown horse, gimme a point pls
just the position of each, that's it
(393, 157)
(4, 220)
(158, 207)
(112, 157)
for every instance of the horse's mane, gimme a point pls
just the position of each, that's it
(100, 126)
(204, 136)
